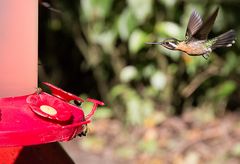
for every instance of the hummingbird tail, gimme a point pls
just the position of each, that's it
(226, 39)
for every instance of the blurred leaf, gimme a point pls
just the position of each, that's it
(128, 74)
(147, 107)
(107, 40)
(133, 105)
(126, 24)
(225, 89)
(148, 146)
(118, 90)
(150, 91)
(103, 113)
(137, 41)
(236, 150)
(87, 107)
(96, 30)
(172, 68)
(148, 70)
(154, 119)
(169, 29)
(220, 21)
(136, 108)
(237, 44)
(95, 9)
(195, 64)
(205, 114)
(222, 90)
(126, 152)
(158, 80)
(231, 63)
(169, 3)
(141, 9)
(94, 144)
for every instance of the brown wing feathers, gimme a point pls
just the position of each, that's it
(194, 23)
(203, 31)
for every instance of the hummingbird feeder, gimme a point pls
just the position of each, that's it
(30, 116)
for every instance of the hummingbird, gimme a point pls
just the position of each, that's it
(196, 41)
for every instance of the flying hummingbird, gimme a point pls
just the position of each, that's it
(197, 42)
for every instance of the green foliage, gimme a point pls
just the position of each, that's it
(222, 91)
(126, 24)
(158, 80)
(137, 108)
(94, 9)
(128, 74)
(137, 40)
(141, 9)
(231, 64)
(168, 29)
(133, 78)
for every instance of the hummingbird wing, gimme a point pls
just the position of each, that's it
(203, 31)
(194, 23)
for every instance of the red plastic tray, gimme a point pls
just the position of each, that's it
(42, 118)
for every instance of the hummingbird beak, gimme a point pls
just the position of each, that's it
(160, 43)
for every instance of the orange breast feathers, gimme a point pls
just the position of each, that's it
(190, 48)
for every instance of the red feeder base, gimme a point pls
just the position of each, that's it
(42, 118)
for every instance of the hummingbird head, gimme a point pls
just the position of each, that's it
(170, 43)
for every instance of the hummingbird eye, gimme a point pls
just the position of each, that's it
(170, 45)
